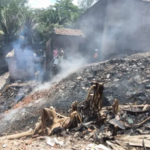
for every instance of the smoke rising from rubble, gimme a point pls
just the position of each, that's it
(11, 115)
(9, 118)
(67, 67)
(26, 64)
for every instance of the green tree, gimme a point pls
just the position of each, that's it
(12, 20)
(30, 24)
(36, 25)
(68, 12)
(47, 20)
(3, 3)
(63, 14)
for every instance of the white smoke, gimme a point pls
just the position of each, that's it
(67, 67)
(70, 66)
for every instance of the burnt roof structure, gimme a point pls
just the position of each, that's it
(68, 32)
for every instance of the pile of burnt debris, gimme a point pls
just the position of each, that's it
(126, 79)
(118, 127)
(116, 116)
(13, 93)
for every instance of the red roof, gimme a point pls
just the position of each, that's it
(70, 32)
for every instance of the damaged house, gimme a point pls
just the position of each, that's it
(24, 63)
(67, 39)
(116, 27)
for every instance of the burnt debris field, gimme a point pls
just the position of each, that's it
(104, 106)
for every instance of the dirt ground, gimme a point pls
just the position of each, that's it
(40, 143)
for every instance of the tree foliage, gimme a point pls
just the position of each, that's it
(63, 14)
(35, 25)
(12, 19)
(67, 10)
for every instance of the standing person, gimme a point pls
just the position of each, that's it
(55, 57)
(95, 57)
(55, 67)
(55, 62)
(55, 53)
(61, 56)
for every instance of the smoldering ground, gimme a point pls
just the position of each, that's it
(69, 66)
(66, 68)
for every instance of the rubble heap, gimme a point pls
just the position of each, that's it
(13, 93)
(126, 80)
(115, 126)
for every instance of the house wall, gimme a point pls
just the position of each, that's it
(138, 36)
(116, 27)
(112, 23)
(92, 25)
(12, 67)
(21, 66)
(126, 27)
(17, 73)
(70, 44)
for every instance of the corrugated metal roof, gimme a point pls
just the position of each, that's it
(69, 32)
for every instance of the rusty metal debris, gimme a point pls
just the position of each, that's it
(93, 120)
